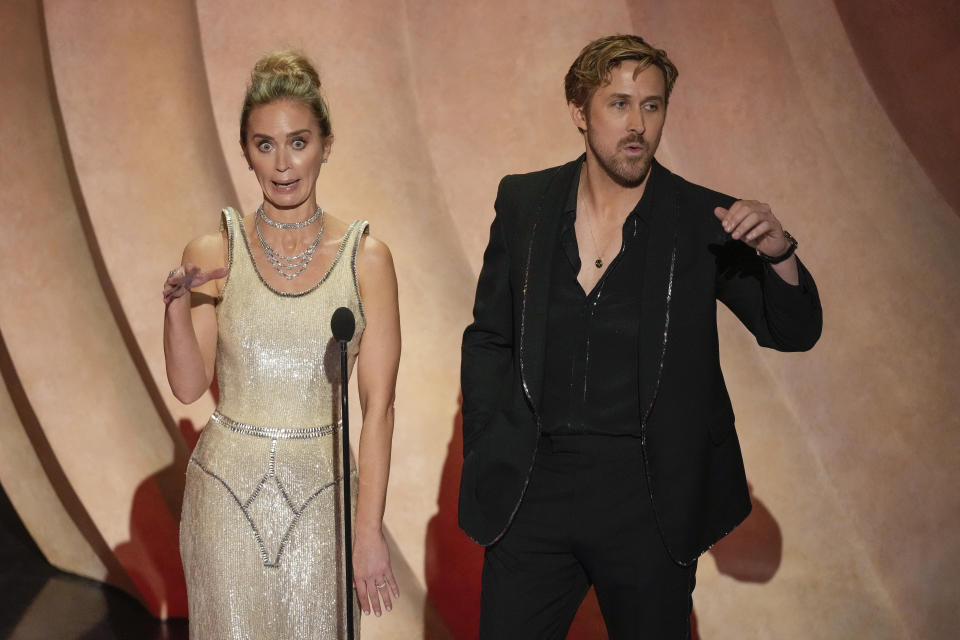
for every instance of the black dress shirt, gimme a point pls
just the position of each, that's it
(591, 370)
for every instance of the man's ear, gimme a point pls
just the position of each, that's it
(579, 116)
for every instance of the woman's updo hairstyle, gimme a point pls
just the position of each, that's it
(284, 75)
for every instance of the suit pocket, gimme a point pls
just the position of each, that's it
(475, 433)
(470, 441)
(501, 457)
(721, 426)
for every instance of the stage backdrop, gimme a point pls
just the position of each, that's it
(120, 121)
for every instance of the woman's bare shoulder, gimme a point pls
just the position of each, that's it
(374, 255)
(208, 251)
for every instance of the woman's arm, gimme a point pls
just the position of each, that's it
(190, 321)
(377, 366)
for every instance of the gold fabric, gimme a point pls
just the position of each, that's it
(261, 531)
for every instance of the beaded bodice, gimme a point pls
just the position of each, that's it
(278, 365)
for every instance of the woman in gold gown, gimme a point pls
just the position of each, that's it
(261, 524)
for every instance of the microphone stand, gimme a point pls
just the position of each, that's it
(347, 512)
(343, 325)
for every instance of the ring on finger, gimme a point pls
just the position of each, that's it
(381, 585)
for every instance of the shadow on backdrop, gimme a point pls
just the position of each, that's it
(750, 553)
(152, 554)
(41, 602)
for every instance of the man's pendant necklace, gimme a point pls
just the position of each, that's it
(598, 263)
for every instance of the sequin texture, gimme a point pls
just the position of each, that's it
(260, 531)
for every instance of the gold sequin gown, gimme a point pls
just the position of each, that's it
(260, 531)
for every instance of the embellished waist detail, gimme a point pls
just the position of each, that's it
(272, 432)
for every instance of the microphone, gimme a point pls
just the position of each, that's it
(343, 324)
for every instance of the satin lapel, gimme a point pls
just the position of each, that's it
(536, 280)
(657, 288)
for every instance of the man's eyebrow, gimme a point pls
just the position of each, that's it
(628, 96)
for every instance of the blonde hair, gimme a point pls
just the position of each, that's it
(591, 70)
(284, 75)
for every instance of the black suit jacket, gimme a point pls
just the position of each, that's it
(691, 455)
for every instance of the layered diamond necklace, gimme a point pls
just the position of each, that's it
(289, 266)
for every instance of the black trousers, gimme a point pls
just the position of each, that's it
(585, 519)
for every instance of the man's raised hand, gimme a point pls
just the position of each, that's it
(754, 224)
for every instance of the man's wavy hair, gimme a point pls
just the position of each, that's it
(591, 70)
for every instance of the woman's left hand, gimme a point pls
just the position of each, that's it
(372, 574)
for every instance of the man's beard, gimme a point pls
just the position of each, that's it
(626, 172)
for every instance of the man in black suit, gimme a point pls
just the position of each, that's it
(598, 436)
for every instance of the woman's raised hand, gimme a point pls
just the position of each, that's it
(186, 277)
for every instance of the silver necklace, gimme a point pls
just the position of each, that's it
(289, 225)
(288, 266)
